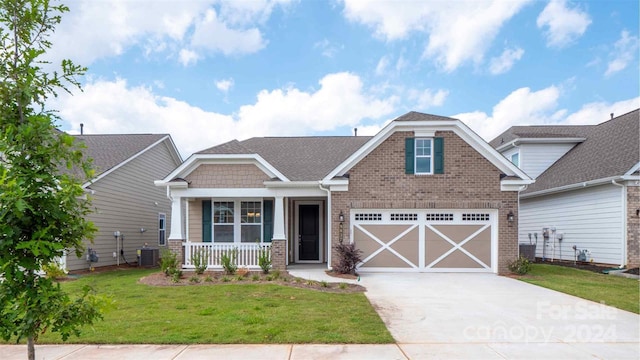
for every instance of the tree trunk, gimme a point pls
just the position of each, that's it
(31, 348)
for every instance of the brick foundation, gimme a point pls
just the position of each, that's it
(278, 254)
(175, 246)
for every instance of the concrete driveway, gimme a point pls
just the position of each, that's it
(450, 315)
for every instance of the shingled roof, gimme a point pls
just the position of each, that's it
(611, 149)
(298, 158)
(107, 151)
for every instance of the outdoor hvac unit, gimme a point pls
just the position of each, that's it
(149, 257)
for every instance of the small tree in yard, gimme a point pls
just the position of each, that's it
(43, 206)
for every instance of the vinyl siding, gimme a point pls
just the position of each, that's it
(536, 158)
(590, 218)
(125, 201)
(195, 220)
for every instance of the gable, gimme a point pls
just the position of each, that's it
(227, 176)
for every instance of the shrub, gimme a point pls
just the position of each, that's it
(168, 262)
(342, 286)
(255, 277)
(348, 258)
(200, 260)
(324, 284)
(208, 278)
(176, 275)
(194, 279)
(228, 260)
(264, 260)
(53, 271)
(520, 266)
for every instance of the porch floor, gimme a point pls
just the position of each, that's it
(315, 272)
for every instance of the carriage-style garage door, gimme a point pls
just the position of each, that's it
(426, 240)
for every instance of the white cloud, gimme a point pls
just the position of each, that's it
(427, 98)
(224, 85)
(526, 107)
(102, 29)
(504, 62)
(328, 49)
(188, 57)
(383, 63)
(115, 107)
(564, 25)
(625, 50)
(458, 31)
(521, 107)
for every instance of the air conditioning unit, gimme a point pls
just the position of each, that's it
(149, 257)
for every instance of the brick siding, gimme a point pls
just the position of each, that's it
(278, 254)
(469, 181)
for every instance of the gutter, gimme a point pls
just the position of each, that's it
(329, 220)
(579, 185)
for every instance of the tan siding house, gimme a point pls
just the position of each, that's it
(125, 198)
(425, 194)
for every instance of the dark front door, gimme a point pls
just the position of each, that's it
(309, 227)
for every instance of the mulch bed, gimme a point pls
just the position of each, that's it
(220, 278)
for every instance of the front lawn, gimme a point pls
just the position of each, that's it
(615, 291)
(224, 314)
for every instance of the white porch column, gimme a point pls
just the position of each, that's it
(278, 219)
(176, 219)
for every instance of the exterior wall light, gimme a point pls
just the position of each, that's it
(510, 216)
(341, 217)
(341, 227)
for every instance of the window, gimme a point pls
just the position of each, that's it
(237, 221)
(423, 156)
(223, 220)
(250, 221)
(162, 229)
(515, 159)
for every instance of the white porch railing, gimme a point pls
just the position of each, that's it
(246, 254)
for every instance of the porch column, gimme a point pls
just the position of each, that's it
(176, 219)
(279, 241)
(278, 219)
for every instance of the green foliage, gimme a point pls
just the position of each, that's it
(208, 278)
(43, 206)
(168, 262)
(176, 275)
(229, 261)
(54, 271)
(264, 260)
(200, 260)
(255, 277)
(520, 266)
(194, 279)
(348, 258)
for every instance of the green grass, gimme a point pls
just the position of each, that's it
(230, 313)
(615, 291)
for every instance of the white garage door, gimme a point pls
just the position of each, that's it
(426, 240)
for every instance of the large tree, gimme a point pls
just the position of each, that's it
(43, 206)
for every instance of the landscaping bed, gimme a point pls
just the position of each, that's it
(252, 277)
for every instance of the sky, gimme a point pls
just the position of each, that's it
(207, 72)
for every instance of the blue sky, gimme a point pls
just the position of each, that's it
(209, 71)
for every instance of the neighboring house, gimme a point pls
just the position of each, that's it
(424, 194)
(586, 191)
(124, 196)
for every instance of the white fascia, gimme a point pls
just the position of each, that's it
(514, 185)
(635, 168)
(457, 126)
(519, 141)
(201, 159)
(579, 185)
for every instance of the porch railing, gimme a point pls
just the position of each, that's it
(246, 254)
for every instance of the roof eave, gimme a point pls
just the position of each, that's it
(520, 141)
(582, 184)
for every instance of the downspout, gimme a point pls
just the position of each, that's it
(329, 220)
(624, 222)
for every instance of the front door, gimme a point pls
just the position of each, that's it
(309, 232)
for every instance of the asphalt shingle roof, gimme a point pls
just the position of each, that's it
(298, 158)
(108, 151)
(611, 149)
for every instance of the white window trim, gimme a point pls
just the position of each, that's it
(416, 156)
(162, 216)
(237, 219)
(517, 153)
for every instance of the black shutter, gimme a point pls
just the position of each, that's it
(267, 220)
(409, 155)
(206, 220)
(438, 155)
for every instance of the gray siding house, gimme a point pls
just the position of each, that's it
(125, 198)
(587, 189)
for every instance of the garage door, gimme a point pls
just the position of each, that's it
(426, 240)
